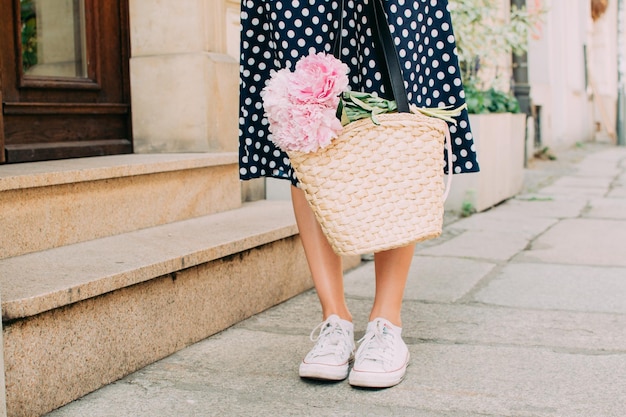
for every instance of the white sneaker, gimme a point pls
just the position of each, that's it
(330, 357)
(382, 357)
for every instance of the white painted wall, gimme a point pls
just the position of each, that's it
(571, 109)
(603, 69)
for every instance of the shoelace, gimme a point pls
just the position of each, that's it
(377, 345)
(330, 339)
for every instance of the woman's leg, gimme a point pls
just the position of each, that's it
(383, 356)
(330, 357)
(325, 265)
(392, 269)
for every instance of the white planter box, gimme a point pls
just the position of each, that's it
(500, 145)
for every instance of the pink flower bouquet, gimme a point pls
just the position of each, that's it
(301, 106)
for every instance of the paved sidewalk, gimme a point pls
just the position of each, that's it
(517, 311)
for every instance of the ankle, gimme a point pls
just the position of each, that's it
(343, 314)
(394, 319)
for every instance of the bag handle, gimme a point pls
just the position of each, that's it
(392, 71)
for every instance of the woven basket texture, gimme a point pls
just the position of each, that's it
(377, 187)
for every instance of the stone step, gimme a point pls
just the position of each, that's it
(56, 203)
(80, 316)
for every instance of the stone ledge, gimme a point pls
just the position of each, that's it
(67, 171)
(37, 282)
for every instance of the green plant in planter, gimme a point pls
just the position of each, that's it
(489, 101)
(484, 35)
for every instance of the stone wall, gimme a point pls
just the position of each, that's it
(184, 75)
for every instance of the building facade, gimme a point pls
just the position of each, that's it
(572, 63)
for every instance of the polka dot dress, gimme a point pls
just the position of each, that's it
(276, 33)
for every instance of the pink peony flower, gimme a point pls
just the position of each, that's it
(320, 78)
(276, 92)
(308, 128)
(301, 105)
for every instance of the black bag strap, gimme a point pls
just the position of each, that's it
(392, 71)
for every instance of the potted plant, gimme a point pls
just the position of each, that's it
(488, 32)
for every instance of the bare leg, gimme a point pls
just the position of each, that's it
(392, 268)
(325, 265)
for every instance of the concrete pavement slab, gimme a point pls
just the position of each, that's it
(430, 279)
(479, 324)
(600, 165)
(480, 244)
(578, 192)
(605, 165)
(517, 223)
(595, 169)
(581, 242)
(617, 192)
(511, 381)
(606, 156)
(583, 181)
(606, 208)
(558, 287)
(538, 205)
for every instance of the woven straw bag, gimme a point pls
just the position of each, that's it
(378, 187)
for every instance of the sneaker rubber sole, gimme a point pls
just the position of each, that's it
(367, 379)
(324, 372)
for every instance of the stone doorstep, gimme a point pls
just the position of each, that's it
(34, 283)
(67, 171)
(57, 203)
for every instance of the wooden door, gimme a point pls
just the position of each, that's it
(64, 84)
